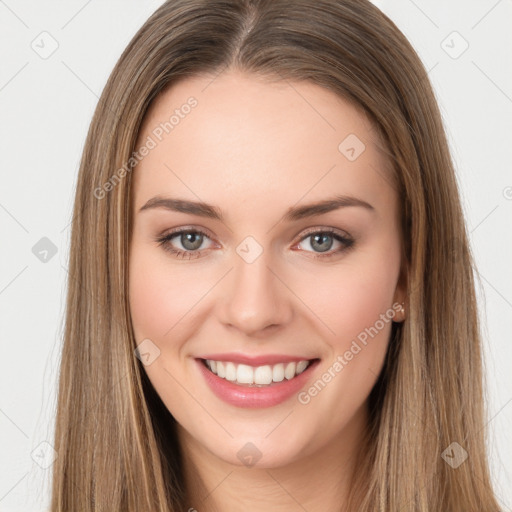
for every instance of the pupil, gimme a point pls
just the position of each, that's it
(323, 245)
(191, 241)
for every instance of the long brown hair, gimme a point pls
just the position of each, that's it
(116, 443)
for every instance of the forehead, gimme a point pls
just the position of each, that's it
(250, 141)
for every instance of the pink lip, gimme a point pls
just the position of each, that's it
(254, 397)
(256, 360)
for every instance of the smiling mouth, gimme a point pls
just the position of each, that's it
(257, 376)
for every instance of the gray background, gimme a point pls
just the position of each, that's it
(46, 105)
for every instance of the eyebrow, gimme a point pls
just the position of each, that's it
(293, 213)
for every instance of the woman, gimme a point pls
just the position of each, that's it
(214, 357)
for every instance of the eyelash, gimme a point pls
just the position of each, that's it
(164, 241)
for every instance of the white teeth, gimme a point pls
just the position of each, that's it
(301, 366)
(245, 374)
(289, 371)
(260, 376)
(278, 372)
(230, 371)
(221, 371)
(263, 375)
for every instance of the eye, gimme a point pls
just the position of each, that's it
(321, 241)
(190, 239)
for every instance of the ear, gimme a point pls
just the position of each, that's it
(400, 297)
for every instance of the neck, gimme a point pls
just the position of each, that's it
(317, 482)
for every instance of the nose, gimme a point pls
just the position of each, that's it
(255, 298)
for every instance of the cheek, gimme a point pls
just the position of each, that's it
(160, 299)
(356, 304)
(148, 301)
(160, 296)
(351, 299)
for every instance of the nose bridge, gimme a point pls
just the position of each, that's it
(254, 298)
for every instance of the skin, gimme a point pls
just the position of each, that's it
(254, 149)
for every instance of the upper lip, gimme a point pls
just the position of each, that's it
(265, 359)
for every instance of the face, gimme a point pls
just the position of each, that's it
(260, 278)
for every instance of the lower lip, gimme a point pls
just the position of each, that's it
(254, 397)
